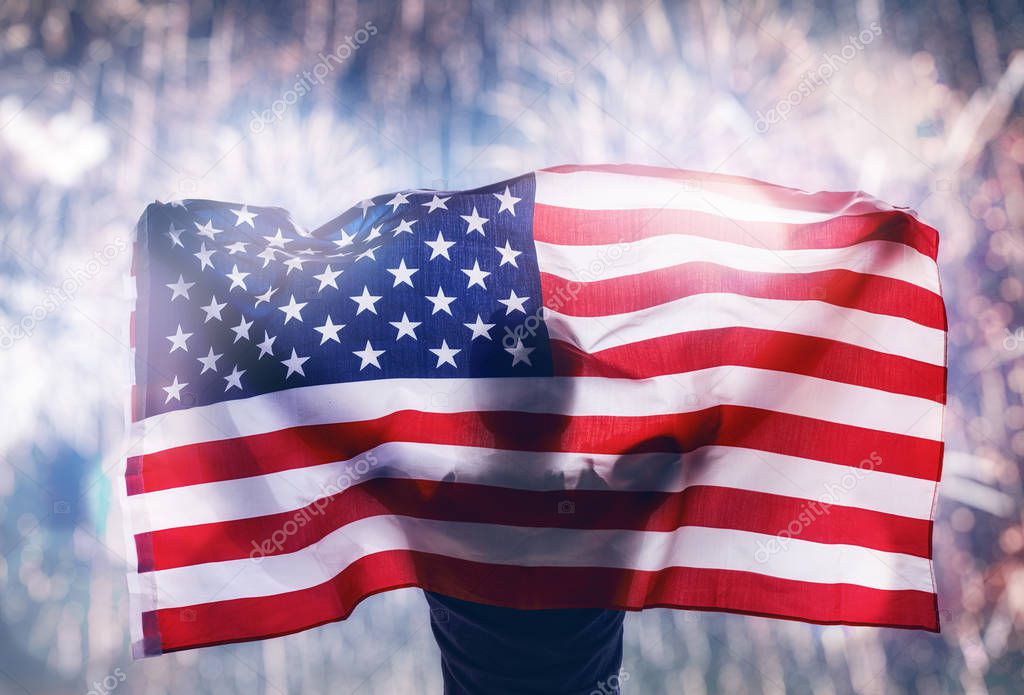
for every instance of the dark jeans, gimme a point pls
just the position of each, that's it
(489, 650)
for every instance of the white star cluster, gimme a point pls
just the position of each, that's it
(261, 293)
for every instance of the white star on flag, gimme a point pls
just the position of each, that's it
(441, 302)
(345, 240)
(268, 254)
(329, 331)
(368, 356)
(508, 254)
(267, 346)
(513, 303)
(174, 390)
(403, 275)
(328, 278)
(508, 201)
(436, 203)
(368, 253)
(404, 227)
(405, 327)
(399, 200)
(242, 330)
(265, 297)
(175, 235)
(294, 263)
(292, 310)
(179, 339)
(439, 247)
(475, 222)
(276, 241)
(213, 309)
(365, 205)
(479, 328)
(237, 279)
(234, 378)
(210, 361)
(245, 217)
(366, 301)
(520, 353)
(208, 230)
(476, 276)
(294, 364)
(180, 288)
(204, 256)
(445, 354)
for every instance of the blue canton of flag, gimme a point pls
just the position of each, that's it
(415, 284)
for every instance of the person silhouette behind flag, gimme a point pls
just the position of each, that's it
(497, 650)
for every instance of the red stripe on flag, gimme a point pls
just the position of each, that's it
(135, 408)
(724, 425)
(716, 507)
(571, 226)
(752, 347)
(847, 203)
(536, 587)
(872, 293)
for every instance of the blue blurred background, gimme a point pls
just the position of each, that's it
(313, 105)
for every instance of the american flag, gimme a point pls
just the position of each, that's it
(604, 386)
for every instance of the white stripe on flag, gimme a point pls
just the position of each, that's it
(593, 190)
(741, 469)
(607, 261)
(782, 392)
(689, 546)
(889, 334)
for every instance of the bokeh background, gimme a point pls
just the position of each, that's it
(107, 105)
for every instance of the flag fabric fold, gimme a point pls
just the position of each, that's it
(587, 386)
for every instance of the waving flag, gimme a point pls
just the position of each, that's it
(606, 386)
